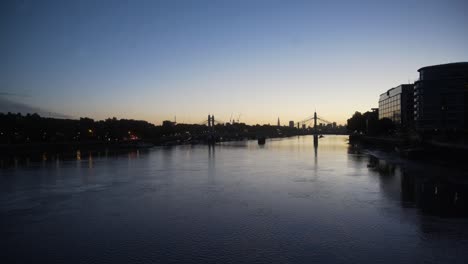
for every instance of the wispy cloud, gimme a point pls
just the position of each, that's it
(9, 94)
(8, 105)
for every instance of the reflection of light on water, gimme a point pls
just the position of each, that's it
(43, 159)
(133, 155)
(90, 161)
(78, 155)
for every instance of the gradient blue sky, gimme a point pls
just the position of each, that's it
(153, 60)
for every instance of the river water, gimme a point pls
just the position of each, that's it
(292, 200)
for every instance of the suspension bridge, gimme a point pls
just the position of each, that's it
(313, 120)
(212, 130)
(310, 122)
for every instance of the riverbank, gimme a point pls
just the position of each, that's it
(416, 149)
(136, 144)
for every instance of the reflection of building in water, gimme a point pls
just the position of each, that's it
(425, 189)
(438, 196)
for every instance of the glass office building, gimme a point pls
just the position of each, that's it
(440, 97)
(397, 105)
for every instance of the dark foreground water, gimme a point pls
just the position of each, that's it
(286, 202)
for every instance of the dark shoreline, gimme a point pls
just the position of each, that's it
(99, 145)
(411, 149)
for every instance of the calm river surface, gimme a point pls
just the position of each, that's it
(237, 202)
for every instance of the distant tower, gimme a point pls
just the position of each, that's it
(279, 122)
(209, 121)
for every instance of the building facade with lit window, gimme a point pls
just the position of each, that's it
(397, 105)
(440, 97)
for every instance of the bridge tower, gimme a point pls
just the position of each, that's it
(315, 122)
(211, 137)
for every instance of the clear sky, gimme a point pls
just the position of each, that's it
(154, 60)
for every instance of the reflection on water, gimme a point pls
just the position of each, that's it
(293, 200)
(433, 190)
(24, 160)
(315, 149)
